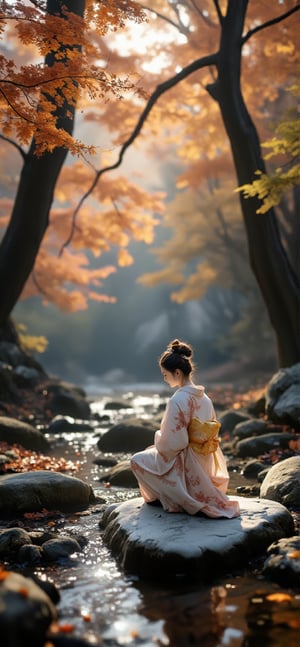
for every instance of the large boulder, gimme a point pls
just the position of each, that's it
(283, 396)
(34, 491)
(150, 542)
(13, 431)
(282, 483)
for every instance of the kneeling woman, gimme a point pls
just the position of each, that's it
(185, 468)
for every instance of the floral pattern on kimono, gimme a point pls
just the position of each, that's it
(172, 472)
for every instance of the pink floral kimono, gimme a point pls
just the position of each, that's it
(173, 472)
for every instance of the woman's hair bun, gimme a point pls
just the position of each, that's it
(181, 348)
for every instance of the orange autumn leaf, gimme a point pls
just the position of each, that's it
(66, 628)
(279, 597)
(295, 554)
(4, 574)
(86, 617)
(294, 623)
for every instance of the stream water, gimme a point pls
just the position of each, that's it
(106, 607)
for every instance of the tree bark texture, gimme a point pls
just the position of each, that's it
(30, 215)
(278, 282)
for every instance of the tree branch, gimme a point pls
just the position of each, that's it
(269, 23)
(219, 12)
(160, 15)
(158, 92)
(10, 141)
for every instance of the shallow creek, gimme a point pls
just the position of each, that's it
(109, 608)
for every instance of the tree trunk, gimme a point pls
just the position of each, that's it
(277, 281)
(30, 216)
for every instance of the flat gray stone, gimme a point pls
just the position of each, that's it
(152, 543)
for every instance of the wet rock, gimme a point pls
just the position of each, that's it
(11, 353)
(130, 435)
(262, 475)
(25, 376)
(282, 483)
(283, 395)
(69, 404)
(229, 419)
(249, 428)
(248, 490)
(105, 461)
(150, 542)
(22, 433)
(38, 546)
(30, 554)
(26, 612)
(33, 491)
(121, 475)
(61, 424)
(260, 444)
(61, 547)
(252, 469)
(283, 562)
(11, 539)
(38, 537)
(116, 405)
(258, 407)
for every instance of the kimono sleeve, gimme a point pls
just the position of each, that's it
(172, 437)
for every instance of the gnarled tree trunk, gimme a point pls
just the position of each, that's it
(277, 281)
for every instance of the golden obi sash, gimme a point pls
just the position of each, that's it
(203, 436)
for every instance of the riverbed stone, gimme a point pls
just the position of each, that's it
(26, 611)
(11, 540)
(62, 424)
(13, 431)
(282, 482)
(230, 418)
(41, 489)
(30, 554)
(283, 395)
(248, 428)
(252, 447)
(152, 543)
(130, 435)
(283, 562)
(120, 475)
(61, 547)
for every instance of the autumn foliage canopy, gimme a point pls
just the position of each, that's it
(153, 74)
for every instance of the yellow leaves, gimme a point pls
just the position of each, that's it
(124, 258)
(196, 284)
(169, 274)
(274, 48)
(269, 188)
(31, 343)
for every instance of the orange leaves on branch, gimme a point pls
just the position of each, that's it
(31, 93)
